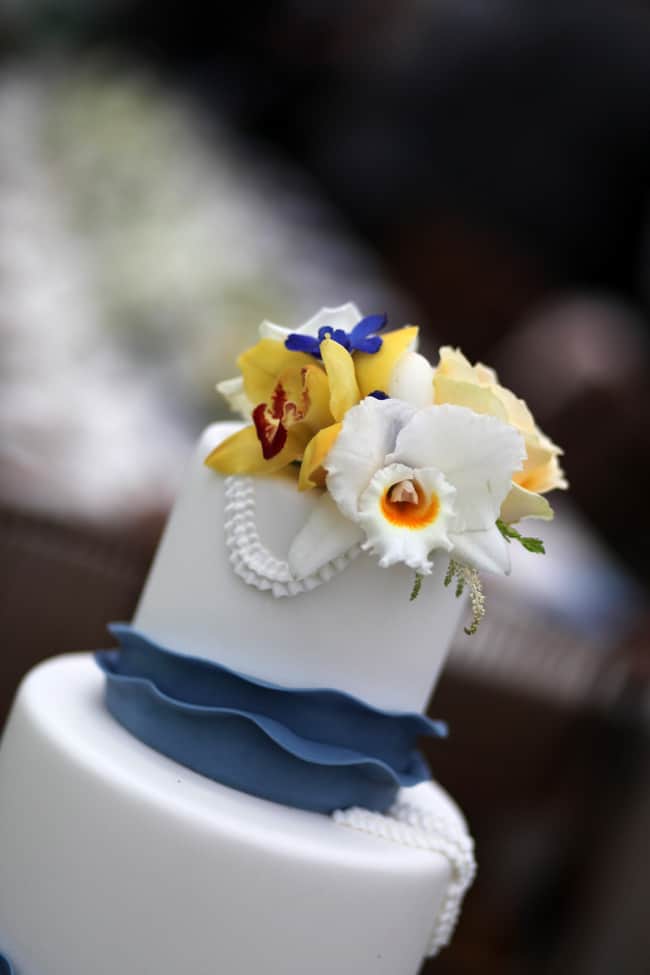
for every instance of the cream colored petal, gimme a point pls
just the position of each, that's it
(461, 393)
(518, 413)
(538, 453)
(412, 380)
(543, 477)
(452, 363)
(325, 536)
(234, 394)
(368, 433)
(343, 316)
(485, 374)
(477, 454)
(555, 477)
(548, 443)
(484, 550)
(520, 503)
(278, 333)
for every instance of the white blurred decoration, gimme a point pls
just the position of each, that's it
(140, 247)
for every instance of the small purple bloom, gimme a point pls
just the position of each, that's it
(360, 339)
(303, 343)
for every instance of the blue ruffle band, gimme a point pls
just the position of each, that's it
(314, 749)
(5, 965)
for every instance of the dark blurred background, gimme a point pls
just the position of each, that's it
(170, 174)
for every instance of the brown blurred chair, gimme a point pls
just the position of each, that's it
(61, 584)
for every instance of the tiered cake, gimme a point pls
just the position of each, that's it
(240, 789)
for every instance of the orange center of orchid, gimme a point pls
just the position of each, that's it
(406, 505)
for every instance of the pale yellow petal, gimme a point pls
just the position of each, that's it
(520, 503)
(375, 369)
(547, 442)
(538, 453)
(241, 453)
(485, 374)
(262, 364)
(544, 477)
(339, 366)
(456, 381)
(454, 365)
(232, 391)
(312, 472)
(518, 413)
(474, 397)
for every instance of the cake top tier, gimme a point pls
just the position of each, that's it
(361, 470)
(356, 632)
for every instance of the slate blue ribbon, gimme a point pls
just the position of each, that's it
(5, 966)
(315, 749)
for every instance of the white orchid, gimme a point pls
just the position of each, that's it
(406, 482)
(344, 317)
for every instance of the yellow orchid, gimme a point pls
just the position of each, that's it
(292, 395)
(458, 382)
(297, 399)
(344, 393)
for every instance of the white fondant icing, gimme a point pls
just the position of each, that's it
(359, 633)
(115, 859)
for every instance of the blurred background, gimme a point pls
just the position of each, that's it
(482, 167)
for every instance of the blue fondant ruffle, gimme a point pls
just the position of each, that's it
(5, 965)
(311, 748)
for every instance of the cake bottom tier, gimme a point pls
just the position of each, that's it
(115, 860)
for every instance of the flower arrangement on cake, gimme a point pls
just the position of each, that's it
(412, 461)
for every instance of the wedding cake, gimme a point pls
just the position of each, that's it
(239, 788)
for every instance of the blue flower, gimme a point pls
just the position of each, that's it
(360, 339)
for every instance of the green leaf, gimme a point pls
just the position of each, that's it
(530, 544)
(417, 585)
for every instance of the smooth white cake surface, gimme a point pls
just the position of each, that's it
(357, 633)
(117, 861)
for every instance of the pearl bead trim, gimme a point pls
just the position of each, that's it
(409, 825)
(252, 560)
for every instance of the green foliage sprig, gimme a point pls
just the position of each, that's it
(530, 544)
(417, 585)
(465, 575)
